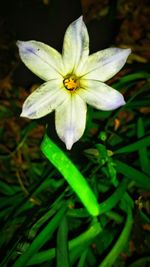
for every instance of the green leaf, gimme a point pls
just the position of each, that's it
(138, 104)
(41, 239)
(83, 240)
(143, 153)
(145, 217)
(130, 78)
(145, 261)
(131, 173)
(144, 142)
(71, 174)
(106, 205)
(8, 189)
(62, 258)
(120, 243)
(111, 202)
(7, 201)
(91, 257)
(45, 217)
(81, 262)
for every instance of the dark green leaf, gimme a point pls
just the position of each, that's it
(62, 257)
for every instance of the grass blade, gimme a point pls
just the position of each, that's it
(131, 173)
(144, 142)
(83, 239)
(62, 258)
(143, 153)
(119, 245)
(40, 240)
(81, 262)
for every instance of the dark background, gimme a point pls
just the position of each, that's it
(47, 22)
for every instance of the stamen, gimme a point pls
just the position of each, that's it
(71, 83)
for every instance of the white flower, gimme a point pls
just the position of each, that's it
(71, 80)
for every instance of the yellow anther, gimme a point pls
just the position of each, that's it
(71, 83)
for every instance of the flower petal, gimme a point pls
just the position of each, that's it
(44, 100)
(71, 119)
(76, 45)
(104, 64)
(41, 59)
(100, 95)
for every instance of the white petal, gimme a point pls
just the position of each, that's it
(41, 59)
(44, 100)
(104, 64)
(71, 119)
(100, 95)
(76, 45)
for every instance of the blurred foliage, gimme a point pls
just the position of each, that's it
(132, 19)
(43, 222)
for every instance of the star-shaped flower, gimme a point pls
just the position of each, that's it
(71, 80)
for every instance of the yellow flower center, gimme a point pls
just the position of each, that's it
(71, 83)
